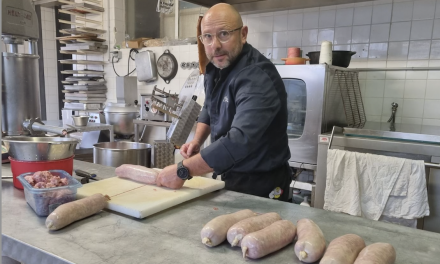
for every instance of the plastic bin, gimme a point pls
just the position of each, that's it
(44, 201)
(19, 167)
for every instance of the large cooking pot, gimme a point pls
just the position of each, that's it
(114, 154)
(121, 116)
(23, 148)
(340, 58)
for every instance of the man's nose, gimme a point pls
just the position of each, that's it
(216, 44)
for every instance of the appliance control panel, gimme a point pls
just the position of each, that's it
(98, 118)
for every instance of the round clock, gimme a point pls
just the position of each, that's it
(167, 66)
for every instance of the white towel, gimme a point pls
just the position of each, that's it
(372, 185)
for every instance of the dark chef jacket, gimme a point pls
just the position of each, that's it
(246, 108)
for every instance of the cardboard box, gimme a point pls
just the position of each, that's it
(135, 43)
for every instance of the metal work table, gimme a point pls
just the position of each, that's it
(89, 128)
(173, 235)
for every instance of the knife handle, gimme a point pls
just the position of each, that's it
(82, 173)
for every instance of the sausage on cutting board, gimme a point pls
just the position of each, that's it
(68, 213)
(250, 225)
(377, 253)
(270, 239)
(311, 244)
(137, 173)
(343, 250)
(214, 232)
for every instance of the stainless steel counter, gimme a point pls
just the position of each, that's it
(173, 236)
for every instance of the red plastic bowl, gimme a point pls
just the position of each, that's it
(20, 167)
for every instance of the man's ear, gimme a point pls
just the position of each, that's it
(244, 33)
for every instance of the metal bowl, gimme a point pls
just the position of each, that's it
(40, 148)
(80, 120)
(114, 154)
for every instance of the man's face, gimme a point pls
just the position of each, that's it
(223, 54)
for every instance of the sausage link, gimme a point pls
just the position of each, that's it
(214, 232)
(311, 242)
(249, 225)
(270, 239)
(343, 250)
(68, 213)
(377, 253)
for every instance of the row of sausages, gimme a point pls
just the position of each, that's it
(260, 235)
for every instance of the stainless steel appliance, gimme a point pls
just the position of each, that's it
(122, 113)
(114, 154)
(20, 72)
(146, 66)
(318, 97)
(152, 114)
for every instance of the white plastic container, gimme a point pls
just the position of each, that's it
(326, 53)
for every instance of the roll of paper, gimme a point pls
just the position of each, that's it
(325, 55)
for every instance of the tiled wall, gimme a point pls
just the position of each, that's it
(187, 23)
(50, 63)
(383, 33)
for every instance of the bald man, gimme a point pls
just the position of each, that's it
(245, 112)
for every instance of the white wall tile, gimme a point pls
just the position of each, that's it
(416, 75)
(265, 39)
(373, 106)
(376, 75)
(378, 51)
(382, 13)
(280, 23)
(415, 89)
(413, 121)
(436, 30)
(435, 49)
(326, 34)
(437, 9)
(360, 34)
(344, 17)
(266, 24)
(295, 21)
(362, 15)
(413, 108)
(379, 32)
(310, 20)
(253, 39)
(398, 50)
(309, 37)
(394, 88)
(431, 109)
(375, 88)
(341, 47)
(423, 9)
(279, 53)
(431, 122)
(327, 18)
(294, 38)
(279, 39)
(395, 75)
(361, 51)
(342, 35)
(402, 11)
(400, 31)
(421, 29)
(374, 118)
(253, 24)
(419, 49)
(433, 89)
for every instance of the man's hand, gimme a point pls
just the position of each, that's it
(168, 178)
(190, 149)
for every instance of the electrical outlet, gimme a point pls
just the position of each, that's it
(117, 54)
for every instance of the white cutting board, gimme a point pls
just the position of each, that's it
(140, 200)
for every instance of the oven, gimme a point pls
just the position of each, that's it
(318, 97)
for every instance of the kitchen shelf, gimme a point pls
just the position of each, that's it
(82, 52)
(91, 72)
(82, 62)
(397, 69)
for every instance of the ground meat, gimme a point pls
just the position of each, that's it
(45, 179)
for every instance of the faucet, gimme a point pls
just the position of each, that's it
(392, 119)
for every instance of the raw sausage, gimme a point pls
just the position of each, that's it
(214, 232)
(270, 239)
(343, 250)
(311, 242)
(137, 173)
(377, 253)
(68, 213)
(249, 225)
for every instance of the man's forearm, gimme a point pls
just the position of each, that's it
(197, 165)
(202, 132)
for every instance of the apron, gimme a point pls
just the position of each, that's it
(274, 184)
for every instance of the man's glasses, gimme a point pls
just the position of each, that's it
(223, 36)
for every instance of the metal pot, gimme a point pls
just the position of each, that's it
(340, 58)
(114, 154)
(121, 116)
(40, 148)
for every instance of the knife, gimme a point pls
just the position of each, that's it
(82, 173)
